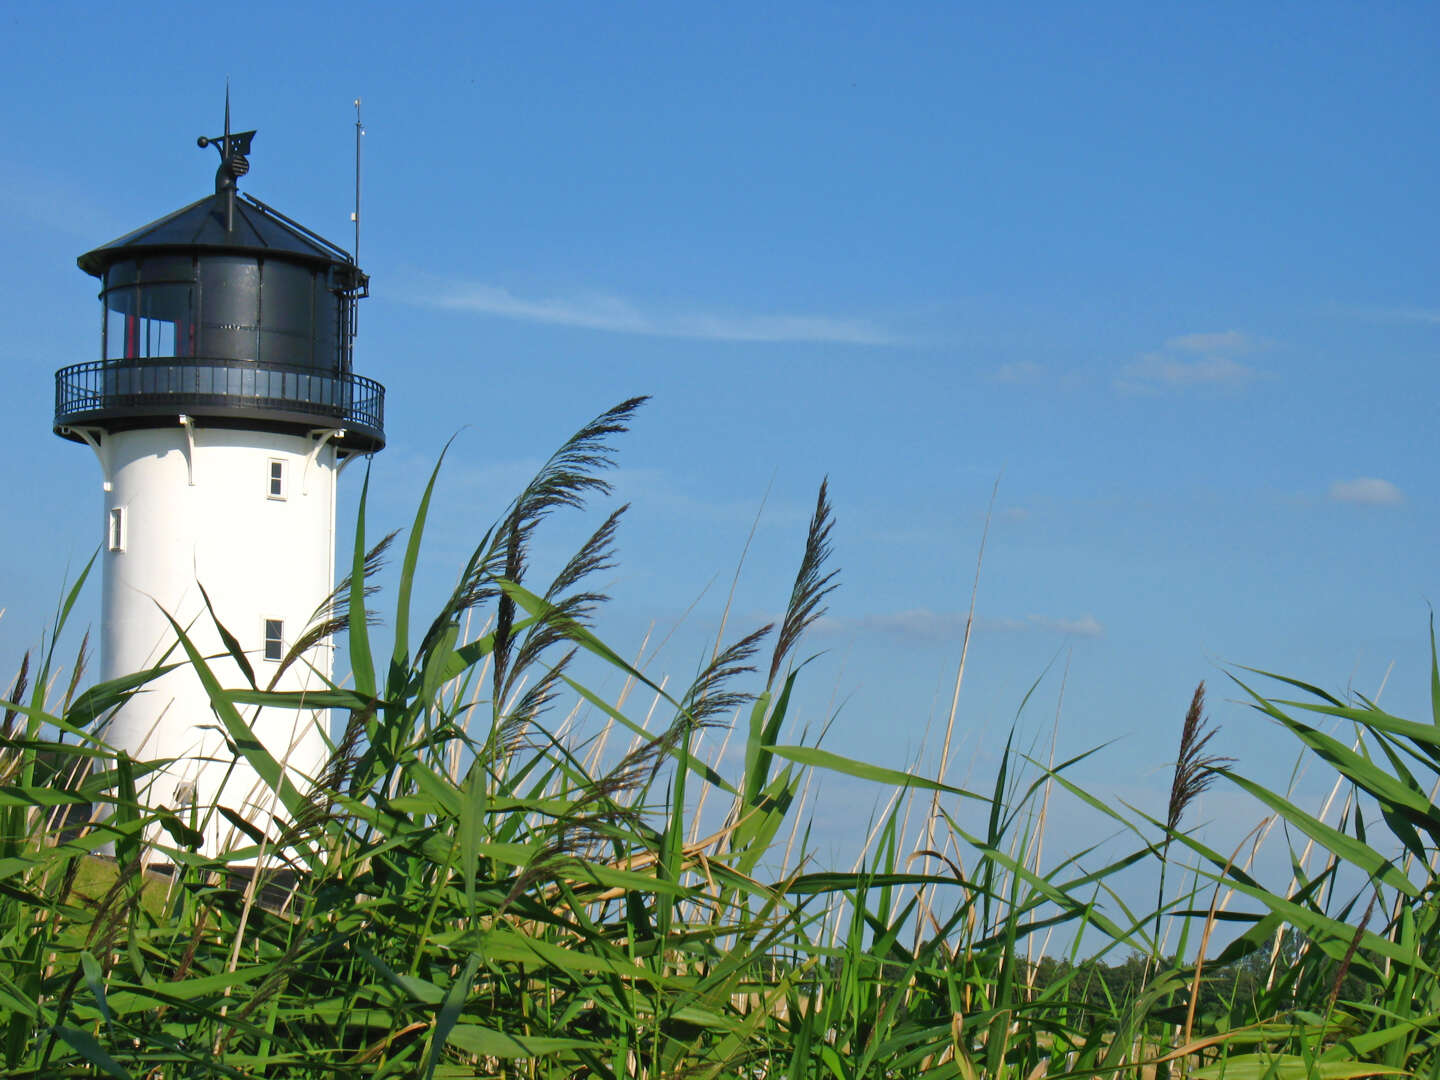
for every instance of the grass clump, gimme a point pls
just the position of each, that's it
(472, 889)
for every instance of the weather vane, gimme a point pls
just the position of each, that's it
(234, 161)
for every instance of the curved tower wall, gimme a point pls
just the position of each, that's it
(249, 515)
(221, 407)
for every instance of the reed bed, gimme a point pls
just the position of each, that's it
(476, 887)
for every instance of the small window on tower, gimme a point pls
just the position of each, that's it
(115, 529)
(274, 639)
(277, 479)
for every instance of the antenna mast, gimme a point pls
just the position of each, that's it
(355, 217)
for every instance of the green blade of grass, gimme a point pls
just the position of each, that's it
(86, 1045)
(250, 748)
(362, 663)
(864, 770)
(1347, 847)
(400, 657)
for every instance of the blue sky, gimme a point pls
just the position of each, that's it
(1168, 273)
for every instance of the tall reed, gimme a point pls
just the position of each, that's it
(471, 888)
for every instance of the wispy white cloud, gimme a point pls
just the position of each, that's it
(1085, 626)
(922, 624)
(1366, 491)
(1031, 374)
(1224, 341)
(615, 314)
(1019, 371)
(1157, 369)
(1192, 360)
(1429, 316)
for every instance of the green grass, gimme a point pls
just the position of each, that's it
(471, 892)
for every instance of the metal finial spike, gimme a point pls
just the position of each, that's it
(226, 152)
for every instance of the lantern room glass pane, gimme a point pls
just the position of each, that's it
(327, 327)
(229, 308)
(287, 326)
(149, 321)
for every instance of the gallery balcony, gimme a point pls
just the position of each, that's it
(115, 395)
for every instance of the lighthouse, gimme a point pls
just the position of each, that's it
(222, 410)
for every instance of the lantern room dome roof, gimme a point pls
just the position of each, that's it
(258, 229)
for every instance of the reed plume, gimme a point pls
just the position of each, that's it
(1194, 773)
(1194, 769)
(812, 584)
(17, 691)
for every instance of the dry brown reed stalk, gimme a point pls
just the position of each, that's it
(739, 565)
(1344, 968)
(467, 710)
(637, 738)
(928, 894)
(565, 729)
(695, 856)
(1034, 855)
(920, 843)
(1279, 939)
(60, 817)
(880, 820)
(628, 686)
(1210, 920)
(796, 818)
(597, 750)
(247, 905)
(1332, 859)
(909, 805)
(705, 791)
(1044, 819)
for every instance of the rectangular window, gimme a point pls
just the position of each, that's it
(276, 488)
(148, 321)
(274, 639)
(115, 529)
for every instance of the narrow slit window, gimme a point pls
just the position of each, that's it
(276, 489)
(274, 639)
(115, 529)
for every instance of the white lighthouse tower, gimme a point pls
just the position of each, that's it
(222, 409)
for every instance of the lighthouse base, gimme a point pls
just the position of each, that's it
(217, 527)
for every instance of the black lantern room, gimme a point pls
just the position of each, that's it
(226, 311)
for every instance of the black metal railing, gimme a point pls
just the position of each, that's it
(124, 388)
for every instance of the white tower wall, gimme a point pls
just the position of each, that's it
(199, 507)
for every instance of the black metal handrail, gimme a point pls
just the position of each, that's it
(125, 387)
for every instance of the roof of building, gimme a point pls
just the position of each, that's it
(258, 229)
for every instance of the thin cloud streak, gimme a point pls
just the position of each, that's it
(922, 624)
(1225, 341)
(1171, 371)
(1192, 360)
(614, 314)
(1366, 491)
(1019, 371)
(1427, 316)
